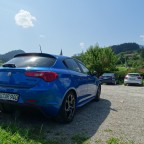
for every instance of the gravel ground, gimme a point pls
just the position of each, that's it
(119, 114)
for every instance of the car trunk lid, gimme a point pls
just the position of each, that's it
(16, 77)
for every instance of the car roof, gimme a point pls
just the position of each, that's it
(42, 54)
(133, 73)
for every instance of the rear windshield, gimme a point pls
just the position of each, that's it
(133, 74)
(108, 74)
(32, 61)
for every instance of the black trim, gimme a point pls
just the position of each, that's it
(35, 54)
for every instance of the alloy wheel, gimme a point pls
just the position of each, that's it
(70, 106)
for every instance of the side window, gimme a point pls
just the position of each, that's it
(84, 69)
(72, 65)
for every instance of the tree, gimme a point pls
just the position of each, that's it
(142, 54)
(99, 59)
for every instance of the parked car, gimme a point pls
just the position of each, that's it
(108, 78)
(133, 78)
(54, 85)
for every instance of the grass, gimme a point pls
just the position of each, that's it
(114, 140)
(14, 133)
(107, 130)
(80, 139)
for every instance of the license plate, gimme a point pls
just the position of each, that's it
(9, 96)
(131, 78)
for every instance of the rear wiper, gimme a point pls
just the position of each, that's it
(9, 65)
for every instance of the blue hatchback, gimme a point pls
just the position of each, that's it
(55, 85)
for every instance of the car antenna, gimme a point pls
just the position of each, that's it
(40, 48)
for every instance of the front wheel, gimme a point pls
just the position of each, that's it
(68, 108)
(97, 97)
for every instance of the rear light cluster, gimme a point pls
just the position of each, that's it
(47, 76)
(139, 77)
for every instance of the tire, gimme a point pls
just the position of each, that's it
(125, 84)
(68, 108)
(97, 97)
(141, 84)
(115, 83)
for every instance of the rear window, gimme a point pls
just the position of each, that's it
(32, 61)
(108, 74)
(133, 75)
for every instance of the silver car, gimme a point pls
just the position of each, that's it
(133, 78)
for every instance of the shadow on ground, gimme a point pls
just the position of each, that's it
(87, 121)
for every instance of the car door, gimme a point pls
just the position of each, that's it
(79, 79)
(91, 81)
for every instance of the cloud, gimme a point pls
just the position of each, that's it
(142, 37)
(25, 19)
(82, 45)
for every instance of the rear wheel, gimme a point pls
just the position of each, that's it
(141, 84)
(68, 108)
(115, 83)
(97, 97)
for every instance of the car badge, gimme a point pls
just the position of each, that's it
(9, 74)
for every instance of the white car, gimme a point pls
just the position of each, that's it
(133, 78)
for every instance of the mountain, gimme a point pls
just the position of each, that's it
(141, 46)
(125, 47)
(10, 55)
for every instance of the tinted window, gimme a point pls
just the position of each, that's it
(32, 61)
(72, 65)
(108, 74)
(133, 74)
(84, 69)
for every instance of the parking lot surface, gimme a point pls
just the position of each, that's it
(119, 114)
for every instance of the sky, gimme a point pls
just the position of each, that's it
(70, 25)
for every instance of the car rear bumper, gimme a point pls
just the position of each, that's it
(11, 107)
(107, 81)
(44, 100)
(133, 82)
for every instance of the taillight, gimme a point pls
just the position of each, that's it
(47, 76)
(139, 77)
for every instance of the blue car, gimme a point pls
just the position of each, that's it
(55, 85)
(108, 78)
